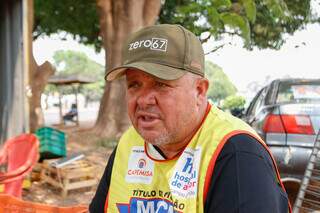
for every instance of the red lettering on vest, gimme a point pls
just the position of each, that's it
(139, 172)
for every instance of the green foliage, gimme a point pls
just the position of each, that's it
(219, 84)
(238, 22)
(71, 62)
(221, 4)
(250, 9)
(269, 30)
(261, 23)
(234, 102)
(77, 17)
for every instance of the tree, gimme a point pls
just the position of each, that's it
(219, 84)
(261, 23)
(38, 77)
(233, 102)
(118, 19)
(56, 17)
(76, 17)
(71, 62)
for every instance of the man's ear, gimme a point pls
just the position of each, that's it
(202, 86)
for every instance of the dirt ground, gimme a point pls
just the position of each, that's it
(96, 151)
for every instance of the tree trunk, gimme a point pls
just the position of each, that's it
(119, 18)
(38, 78)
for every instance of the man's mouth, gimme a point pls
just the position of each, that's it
(147, 120)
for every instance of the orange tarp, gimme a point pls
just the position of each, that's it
(10, 204)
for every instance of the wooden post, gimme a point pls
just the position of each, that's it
(60, 107)
(76, 87)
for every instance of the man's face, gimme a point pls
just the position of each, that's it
(162, 111)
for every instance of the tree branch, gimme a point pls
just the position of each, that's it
(205, 39)
(215, 49)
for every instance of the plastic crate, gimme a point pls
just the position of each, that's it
(48, 151)
(48, 133)
(52, 143)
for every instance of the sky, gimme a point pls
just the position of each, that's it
(241, 66)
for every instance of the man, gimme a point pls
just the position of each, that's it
(182, 154)
(71, 114)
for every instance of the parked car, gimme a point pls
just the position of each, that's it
(286, 114)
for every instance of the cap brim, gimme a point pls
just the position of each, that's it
(157, 70)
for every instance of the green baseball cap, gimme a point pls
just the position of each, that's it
(165, 51)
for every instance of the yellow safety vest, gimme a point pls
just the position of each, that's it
(141, 184)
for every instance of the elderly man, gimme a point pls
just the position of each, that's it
(182, 154)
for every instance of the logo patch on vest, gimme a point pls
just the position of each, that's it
(184, 179)
(140, 205)
(140, 167)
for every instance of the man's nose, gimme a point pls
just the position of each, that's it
(146, 98)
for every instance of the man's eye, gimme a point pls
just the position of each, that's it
(160, 84)
(133, 85)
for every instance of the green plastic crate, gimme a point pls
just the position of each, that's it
(52, 143)
(49, 133)
(48, 151)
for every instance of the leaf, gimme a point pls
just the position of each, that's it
(278, 8)
(214, 19)
(250, 8)
(190, 8)
(270, 21)
(221, 4)
(237, 22)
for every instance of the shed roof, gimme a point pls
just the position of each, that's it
(70, 79)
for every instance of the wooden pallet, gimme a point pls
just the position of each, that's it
(79, 174)
(36, 172)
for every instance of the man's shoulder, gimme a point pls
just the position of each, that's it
(244, 144)
(220, 121)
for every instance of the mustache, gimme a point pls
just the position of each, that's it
(148, 110)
